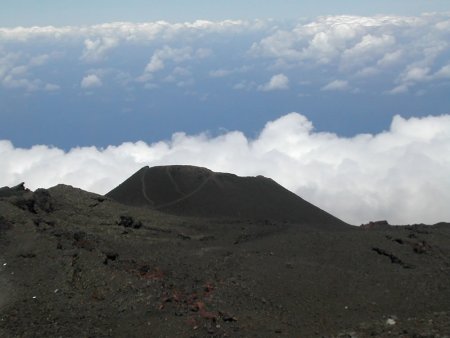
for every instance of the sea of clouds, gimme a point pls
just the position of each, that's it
(401, 174)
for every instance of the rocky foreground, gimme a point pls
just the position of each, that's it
(77, 264)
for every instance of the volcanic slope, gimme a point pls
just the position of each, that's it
(195, 191)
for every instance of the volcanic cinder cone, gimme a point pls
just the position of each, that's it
(195, 191)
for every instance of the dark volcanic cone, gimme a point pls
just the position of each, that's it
(195, 191)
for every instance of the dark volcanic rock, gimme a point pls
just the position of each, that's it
(18, 190)
(4, 224)
(43, 200)
(194, 191)
(25, 199)
(394, 259)
(26, 202)
(129, 222)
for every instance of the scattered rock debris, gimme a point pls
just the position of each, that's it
(391, 321)
(110, 256)
(129, 222)
(184, 237)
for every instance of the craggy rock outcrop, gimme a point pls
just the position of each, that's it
(376, 225)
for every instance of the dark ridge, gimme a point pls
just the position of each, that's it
(195, 191)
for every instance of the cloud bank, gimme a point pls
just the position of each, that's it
(401, 54)
(400, 174)
(405, 51)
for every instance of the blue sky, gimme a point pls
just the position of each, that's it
(341, 93)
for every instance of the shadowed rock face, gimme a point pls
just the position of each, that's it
(195, 191)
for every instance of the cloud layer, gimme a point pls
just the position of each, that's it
(404, 52)
(400, 174)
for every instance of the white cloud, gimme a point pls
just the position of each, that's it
(366, 51)
(342, 46)
(95, 50)
(19, 70)
(277, 82)
(175, 55)
(361, 46)
(220, 73)
(443, 25)
(91, 81)
(12, 82)
(367, 72)
(336, 85)
(415, 74)
(40, 60)
(99, 40)
(156, 63)
(203, 53)
(129, 31)
(177, 73)
(400, 175)
(16, 71)
(400, 89)
(330, 38)
(390, 58)
(444, 72)
(245, 85)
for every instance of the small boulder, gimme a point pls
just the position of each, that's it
(129, 222)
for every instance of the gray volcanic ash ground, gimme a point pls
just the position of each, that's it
(185, 252)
